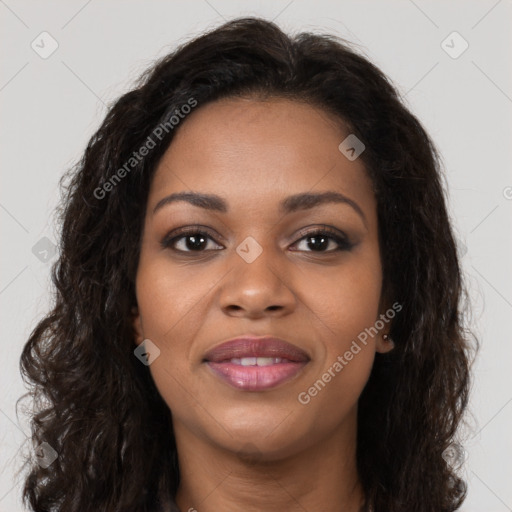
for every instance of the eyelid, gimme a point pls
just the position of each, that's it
(322, 228)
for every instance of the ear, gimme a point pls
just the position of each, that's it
(137, 326)
(384, 343)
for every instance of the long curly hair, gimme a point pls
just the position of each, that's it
(97, 406)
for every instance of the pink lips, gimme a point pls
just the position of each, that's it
(242, 373)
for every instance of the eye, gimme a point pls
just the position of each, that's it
(322, 239)
(190, 239)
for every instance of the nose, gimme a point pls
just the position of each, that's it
(258, 288)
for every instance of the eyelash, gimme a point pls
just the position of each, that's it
(343, 243)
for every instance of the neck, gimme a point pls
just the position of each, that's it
(320, 477)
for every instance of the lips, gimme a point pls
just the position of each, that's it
(256, 347)
(256, 364)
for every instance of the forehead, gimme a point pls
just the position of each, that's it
(247, 148)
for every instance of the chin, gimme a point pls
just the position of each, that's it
(265, 436)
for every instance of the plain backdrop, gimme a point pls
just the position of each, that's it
(463, 96)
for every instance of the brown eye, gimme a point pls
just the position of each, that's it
(189, 240)
(321, 239)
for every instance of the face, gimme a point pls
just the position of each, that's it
(264, 263)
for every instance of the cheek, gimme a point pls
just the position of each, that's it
(345, 306)
(345, 301)
(170, 308)
(171, 304)
(169, 299)
(344, 366)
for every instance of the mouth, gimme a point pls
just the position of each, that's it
(256, 363)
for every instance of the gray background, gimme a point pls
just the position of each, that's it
(50, 107)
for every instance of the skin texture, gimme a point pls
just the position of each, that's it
(241, 450)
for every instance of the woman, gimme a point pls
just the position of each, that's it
(258, 296)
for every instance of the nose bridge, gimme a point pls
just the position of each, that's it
(258, 280)
(257, 264)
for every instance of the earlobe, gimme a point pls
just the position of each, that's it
(137, 326)
(385, 344)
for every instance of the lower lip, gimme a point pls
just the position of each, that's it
(256, 378)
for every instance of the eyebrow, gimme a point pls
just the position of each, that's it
(304, 201)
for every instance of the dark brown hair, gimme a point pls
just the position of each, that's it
(97, 405)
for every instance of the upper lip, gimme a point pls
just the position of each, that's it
(253, 346)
